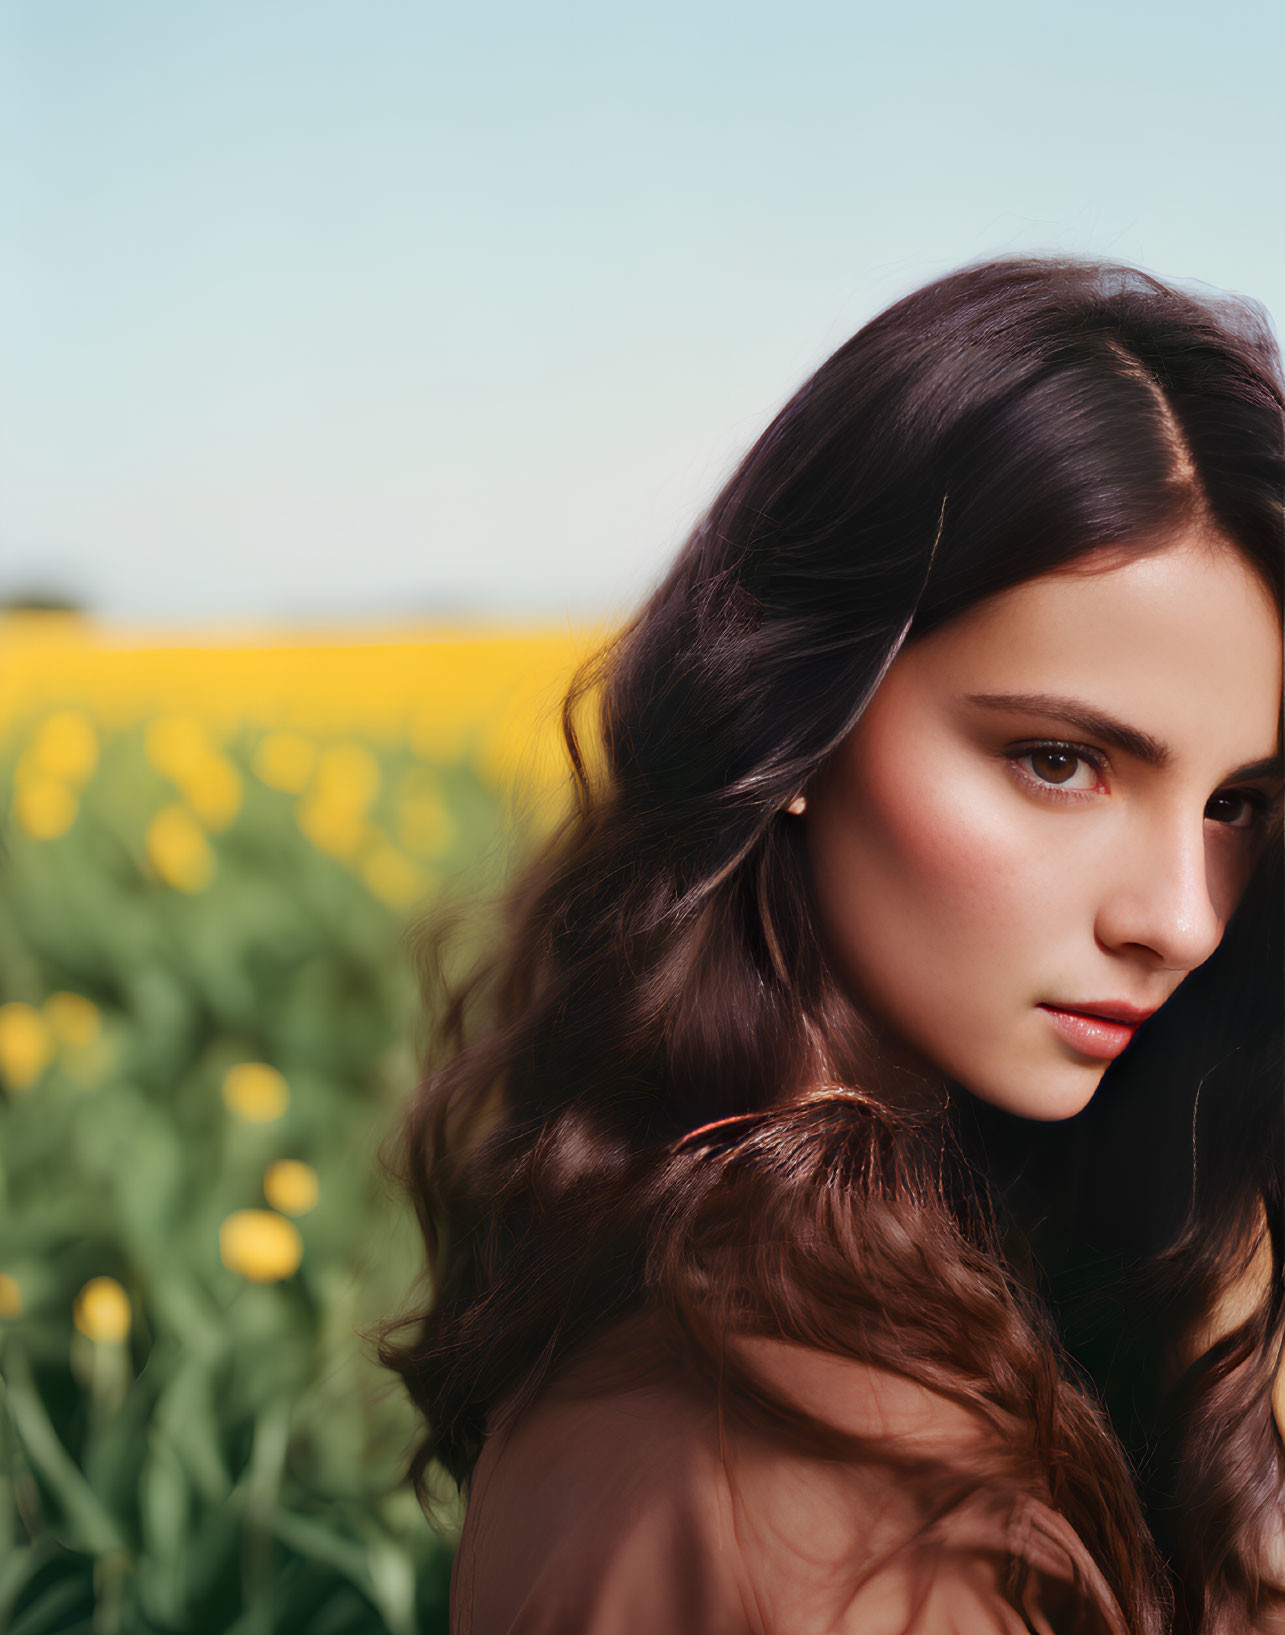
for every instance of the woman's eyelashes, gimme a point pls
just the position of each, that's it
(1257, 804)
(1054, 766)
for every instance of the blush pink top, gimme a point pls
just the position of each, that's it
(617, 1504)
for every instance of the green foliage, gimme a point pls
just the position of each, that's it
(233, 1462)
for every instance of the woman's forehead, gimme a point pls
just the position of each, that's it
(1181, 643)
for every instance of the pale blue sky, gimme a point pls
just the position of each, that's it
(312, 308)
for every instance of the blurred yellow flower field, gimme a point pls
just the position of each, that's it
(213, 846)
(488, 694)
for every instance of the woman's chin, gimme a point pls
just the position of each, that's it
(1047, 1096)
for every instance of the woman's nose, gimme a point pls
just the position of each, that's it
(1165, 895)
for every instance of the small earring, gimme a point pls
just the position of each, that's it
(798, 805)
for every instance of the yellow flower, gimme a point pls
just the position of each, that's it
(333, 813)
(102, 1311)
(179, 748)
(333, 826)
(25, 1045)
(259, 1244)
(176, 745)
(44, 807)
(213, 791)
(10, 1297)
(424, 824)
(255, 1092)
(66, 747)
(178, 851)
(284, 760)
(291, 1186)
(348, 773)
(392, 877)
(73, 1020)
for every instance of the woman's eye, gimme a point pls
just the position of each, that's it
(1239, 808)
(1057, 767)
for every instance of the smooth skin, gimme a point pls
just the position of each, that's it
(972, 860)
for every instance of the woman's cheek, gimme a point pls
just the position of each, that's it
(957, 847)
(927, 875)
(882, 844)
(991, 872)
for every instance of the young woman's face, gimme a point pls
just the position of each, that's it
(1051, 805)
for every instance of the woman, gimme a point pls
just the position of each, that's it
(760, 1162)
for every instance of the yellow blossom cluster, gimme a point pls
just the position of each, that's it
(101, 1311)
(488, 694)
(57, 762)
(67, 1026)
(333, 811)
(320, 711)
(262, 1244)
(173, 805)
(181, 749)
(178, 850)
(284, 761)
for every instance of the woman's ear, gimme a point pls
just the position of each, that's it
(798, 805)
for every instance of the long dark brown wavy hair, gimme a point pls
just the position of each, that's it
(652, 1090)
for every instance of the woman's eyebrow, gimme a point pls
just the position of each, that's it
(1132, 740)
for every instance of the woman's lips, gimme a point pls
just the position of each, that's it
(1091, 1035)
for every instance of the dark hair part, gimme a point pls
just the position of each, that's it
(653, 1089)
